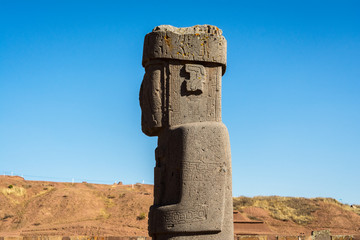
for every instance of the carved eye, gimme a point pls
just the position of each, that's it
(197, 78)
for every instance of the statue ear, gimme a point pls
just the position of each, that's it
(150, 100)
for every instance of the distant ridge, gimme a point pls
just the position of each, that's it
(33, 208)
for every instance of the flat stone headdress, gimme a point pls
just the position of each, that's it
(188, 44)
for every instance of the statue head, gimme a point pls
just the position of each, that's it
(182, 76)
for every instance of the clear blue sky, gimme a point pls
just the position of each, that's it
(70, 73)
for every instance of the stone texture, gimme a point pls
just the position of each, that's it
(251, 237)
(180, 98)
(321, 235)
(342, 237)
(287, 238)
(203, 43)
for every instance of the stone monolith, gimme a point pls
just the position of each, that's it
(180, 99)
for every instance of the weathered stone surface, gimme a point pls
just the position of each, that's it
(321, 235)
(288, 238)
(180, 98)
(251, 237)
(203, 43)
(342, 237)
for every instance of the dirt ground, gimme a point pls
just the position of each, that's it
(322, 214)
(33, 208)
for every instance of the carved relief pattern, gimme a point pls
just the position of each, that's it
(180, 98)
(185, 216)
(197, 78)
(200, 171)
(187, 105)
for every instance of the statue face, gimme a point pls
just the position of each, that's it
(150, 100)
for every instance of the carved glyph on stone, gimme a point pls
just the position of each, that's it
(180, 98)
(196, 81)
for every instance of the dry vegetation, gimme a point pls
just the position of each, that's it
(298, 210)
(32, 208)
(50, 208)
(353, 208)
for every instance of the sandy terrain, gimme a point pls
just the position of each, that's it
(32, 208)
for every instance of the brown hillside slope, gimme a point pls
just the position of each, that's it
(296, 216)
(53, 208)
(32, 208)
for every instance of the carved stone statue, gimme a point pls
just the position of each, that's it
(180, 98)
